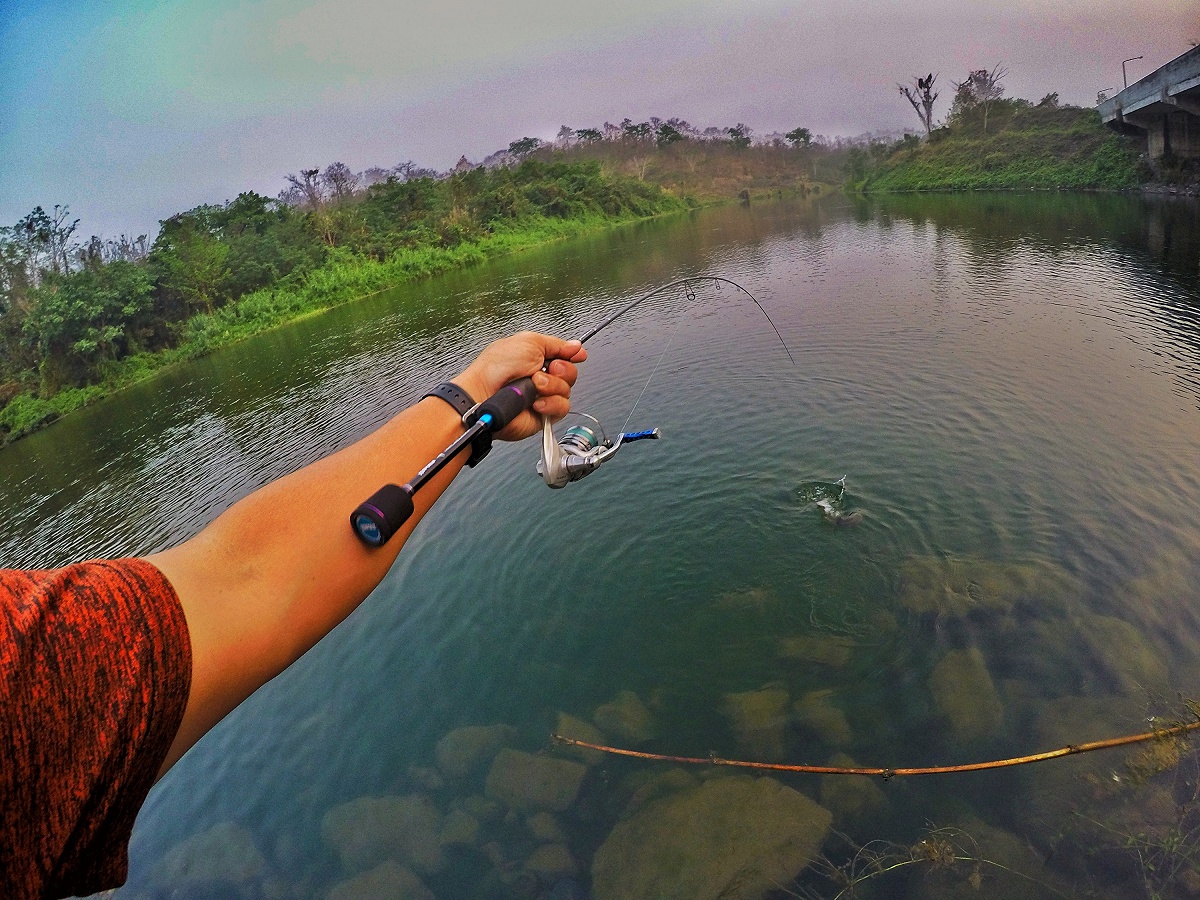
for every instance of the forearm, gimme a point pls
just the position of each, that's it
(282, 567)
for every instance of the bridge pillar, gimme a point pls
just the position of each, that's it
(1175, 133)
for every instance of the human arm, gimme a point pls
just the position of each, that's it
(281, 567)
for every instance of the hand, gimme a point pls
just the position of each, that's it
(524, 354)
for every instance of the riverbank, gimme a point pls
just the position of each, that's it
(346, 273)
(1025, 147)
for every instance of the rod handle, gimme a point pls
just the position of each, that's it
(381, 516)
(504, 405)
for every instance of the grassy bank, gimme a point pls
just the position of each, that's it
(73, 332)
(1025, 147)
(344, 277)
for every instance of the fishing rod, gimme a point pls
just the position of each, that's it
(579, 452)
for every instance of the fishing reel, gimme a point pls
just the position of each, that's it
(580, 451)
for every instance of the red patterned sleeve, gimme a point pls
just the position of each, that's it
(95, 667)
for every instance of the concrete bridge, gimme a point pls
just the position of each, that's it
(1164, 106)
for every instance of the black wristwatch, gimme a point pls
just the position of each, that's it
(463, 404)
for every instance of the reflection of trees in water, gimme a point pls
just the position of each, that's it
(1153, 239)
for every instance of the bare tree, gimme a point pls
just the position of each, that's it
(306, 189)
(376, 175)
(921, 96)
(639, 163)
(981, 88)
(340, 183)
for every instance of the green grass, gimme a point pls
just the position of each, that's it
(344, 278)
(1030, 149)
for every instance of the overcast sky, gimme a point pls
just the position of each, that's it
(132, 110)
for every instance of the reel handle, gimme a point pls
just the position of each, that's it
(652, 434)
(385, 511)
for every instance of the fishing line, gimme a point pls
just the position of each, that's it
(674, 331)
(581, 450)
(686, 282)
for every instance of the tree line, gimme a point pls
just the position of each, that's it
(659, 132)
(70, 308)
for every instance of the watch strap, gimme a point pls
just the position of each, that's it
(463, 404)
(454, 395)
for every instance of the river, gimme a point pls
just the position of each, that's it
(1010, 386)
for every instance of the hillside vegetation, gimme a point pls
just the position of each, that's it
(1024, 147)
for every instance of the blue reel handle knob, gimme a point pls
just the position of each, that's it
(652, 435)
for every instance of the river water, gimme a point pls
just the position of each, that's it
(1009, 384)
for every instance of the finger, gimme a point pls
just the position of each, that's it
(548, 385)
(557, 348)
(552, 407)
(564, 370)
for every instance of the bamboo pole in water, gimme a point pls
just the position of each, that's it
(886, 773)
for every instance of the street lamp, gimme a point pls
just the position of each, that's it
(1123, 75)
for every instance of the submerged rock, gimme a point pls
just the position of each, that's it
(551, 862)
(1083, 783)
(733, 838)
(370, 830)
(647, 785)
(222, 859)
(755, 599)
(816, 713)
(545, 829)
(759, 720)
(459, 827)
(467, 750)
(826, 649)
(1122, 653)
(1013, 871)
(964, 693)
(528, 782)
(389, 879)
(959, 587)
(626, 718)
(853, 799)
(570, 727)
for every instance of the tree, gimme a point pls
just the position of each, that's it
(306, 190)
(635, 131)
(339, 182)
(589, 135)
(739, 136)
(979, 90)
(667, 134)
(189, 262)
(566, 134)
(799, 137)
(922, 96)
(523, 147)
(46, 240)
(81, 318)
